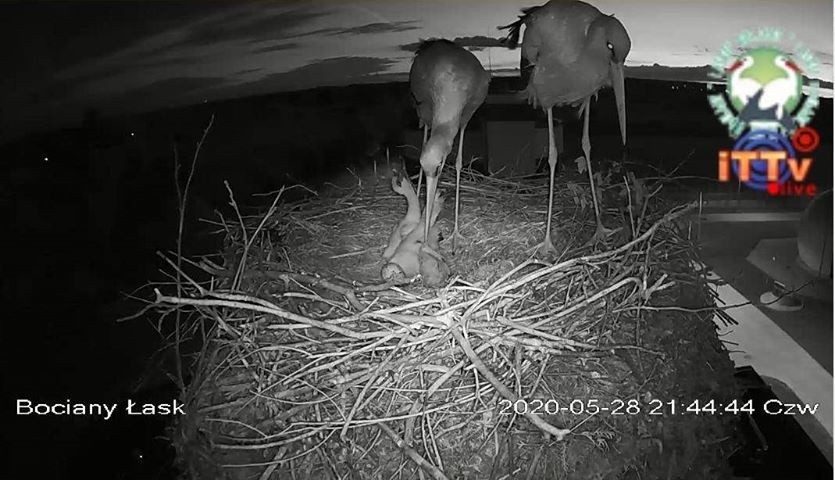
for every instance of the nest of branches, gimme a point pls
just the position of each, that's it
(520, 367)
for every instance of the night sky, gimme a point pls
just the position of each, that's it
(124, 57)
(91, 218)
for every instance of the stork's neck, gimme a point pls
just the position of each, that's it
(736, 74)
(444, 133)
(437, 148)
(792, 74)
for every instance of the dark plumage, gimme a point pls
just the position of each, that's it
(448, 84)
(570, 50)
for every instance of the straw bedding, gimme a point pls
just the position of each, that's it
(314, 369)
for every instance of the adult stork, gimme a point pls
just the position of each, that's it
(448, 85)
(743, 88)
(778, 93)
(572, 50)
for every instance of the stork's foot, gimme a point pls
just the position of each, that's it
(601, 235)
(457, 241)
(546, 248)
(431, 252)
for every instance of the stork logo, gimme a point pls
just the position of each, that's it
(766, 111)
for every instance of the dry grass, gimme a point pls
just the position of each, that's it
(312, 369)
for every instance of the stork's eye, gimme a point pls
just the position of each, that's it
(611, 51)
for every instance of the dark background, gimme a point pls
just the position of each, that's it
(82, 228)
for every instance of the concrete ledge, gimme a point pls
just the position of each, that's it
(777, 258)
(750, 217)
(761, 343)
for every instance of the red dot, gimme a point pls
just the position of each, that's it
(773, 189)
(805, 139)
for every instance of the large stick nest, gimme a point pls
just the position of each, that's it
(311, 369)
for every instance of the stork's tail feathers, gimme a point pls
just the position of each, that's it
(515, 29)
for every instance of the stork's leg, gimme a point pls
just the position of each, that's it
(547, 246)
(431, 187)
(458, 166)
(425, 138)
(601, 232)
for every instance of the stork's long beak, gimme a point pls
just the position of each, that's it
(431, 186)
(616, 70)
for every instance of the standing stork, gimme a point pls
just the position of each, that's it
(573, 50)
(780, 91)
(743, 88)
(448, 84)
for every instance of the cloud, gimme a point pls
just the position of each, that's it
(248, 25)
(247, 71)
(478, 42)
(379, 27)
(57, 35)
(180, 46)
(368, 28)
(181, 43)
(276, 48)
(180, 60)
(332, 71)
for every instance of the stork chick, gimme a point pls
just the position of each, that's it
(405, 255)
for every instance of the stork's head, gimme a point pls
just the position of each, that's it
(612, 34)
(432, 160)
(433, 155)
(786, 64)
(741, 64)
(608, 38)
